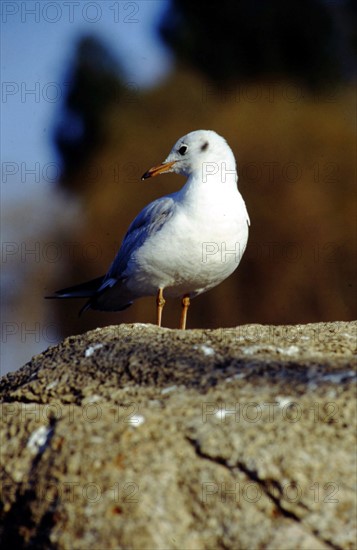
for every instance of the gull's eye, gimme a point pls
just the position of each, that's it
(182, 149)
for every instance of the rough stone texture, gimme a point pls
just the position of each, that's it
(138, 437)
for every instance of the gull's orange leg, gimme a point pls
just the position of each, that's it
(185, 306)
(160, 302)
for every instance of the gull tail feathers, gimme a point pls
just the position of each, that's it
(83, 290)
(100, 292)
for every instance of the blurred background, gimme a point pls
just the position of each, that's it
(95, 93)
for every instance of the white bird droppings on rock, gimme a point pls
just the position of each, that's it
(336, 378)
(251, 350)
(207, 350)
(136, 420)
(169, 389)
(284, 401)
(222, 413)
(89, 351)
(291, 350)
(235, 376)
(52, 385)
(38, 439)
(92, 399)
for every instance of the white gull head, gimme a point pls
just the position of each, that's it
(201, 152)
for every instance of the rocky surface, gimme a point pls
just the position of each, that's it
(138, 437)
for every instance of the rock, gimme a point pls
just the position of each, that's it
(138, 437)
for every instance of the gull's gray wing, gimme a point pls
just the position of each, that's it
(147, 223)
(105, 292)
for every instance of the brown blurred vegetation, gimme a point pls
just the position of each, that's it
(296, 160)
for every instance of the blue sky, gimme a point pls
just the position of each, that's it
(38, 39)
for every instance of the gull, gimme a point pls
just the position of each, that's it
(182, 244)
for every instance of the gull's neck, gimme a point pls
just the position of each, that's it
(211, 179)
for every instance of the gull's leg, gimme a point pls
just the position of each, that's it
(160, 302)
(185, 306)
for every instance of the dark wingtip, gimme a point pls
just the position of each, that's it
(56, 296)
(146, 175)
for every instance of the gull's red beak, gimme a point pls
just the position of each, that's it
(156, 170)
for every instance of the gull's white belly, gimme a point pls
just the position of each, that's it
(189, 255)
